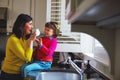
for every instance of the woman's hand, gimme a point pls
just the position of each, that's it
(38, 41)
(32, 37)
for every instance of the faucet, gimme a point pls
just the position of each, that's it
(75, 67)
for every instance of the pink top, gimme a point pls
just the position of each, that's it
(46, 50)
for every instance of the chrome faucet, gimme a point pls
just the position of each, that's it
(76, 68)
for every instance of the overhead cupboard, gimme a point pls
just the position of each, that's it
(35, 8)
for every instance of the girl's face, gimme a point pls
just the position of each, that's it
(48, 32)
(28, 28)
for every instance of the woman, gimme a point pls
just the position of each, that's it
(19, 48)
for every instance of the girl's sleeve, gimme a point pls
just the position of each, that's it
(19, 51)
(50, 49)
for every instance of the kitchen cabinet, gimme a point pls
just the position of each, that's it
(14, 9)
(35, 8)
(75, 9)
(94, 12)
(4, 3)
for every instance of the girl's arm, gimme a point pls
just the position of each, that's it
(50, 49)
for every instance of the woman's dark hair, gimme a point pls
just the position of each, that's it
(18, 27)
(55, 26)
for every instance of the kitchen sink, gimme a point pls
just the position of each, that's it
(57, 75)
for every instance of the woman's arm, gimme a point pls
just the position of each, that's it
(20, 51)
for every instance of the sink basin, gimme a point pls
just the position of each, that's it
(57, 75)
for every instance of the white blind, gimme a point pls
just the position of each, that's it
(56, 11)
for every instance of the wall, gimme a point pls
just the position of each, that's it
(48, 16)
(106, 38)
(65, 27)
(117, 55)
(86, 43)
(40, 14)
(95, 52)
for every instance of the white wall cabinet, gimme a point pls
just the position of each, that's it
(4, 3)
(35, 8)
(14, 9)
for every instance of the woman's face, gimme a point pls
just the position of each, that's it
(48, 32)
(28, 28)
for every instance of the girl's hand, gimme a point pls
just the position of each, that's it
(38, 41)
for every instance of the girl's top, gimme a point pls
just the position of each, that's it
(45, 51)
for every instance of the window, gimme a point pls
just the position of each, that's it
(56, 12)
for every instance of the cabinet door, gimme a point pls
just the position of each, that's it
(17, 7)
(4, 3)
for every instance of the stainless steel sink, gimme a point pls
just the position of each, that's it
(57, 75)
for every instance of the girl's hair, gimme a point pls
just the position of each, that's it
(18, 27)
(55, 26)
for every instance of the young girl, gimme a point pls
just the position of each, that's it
(43, 55)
